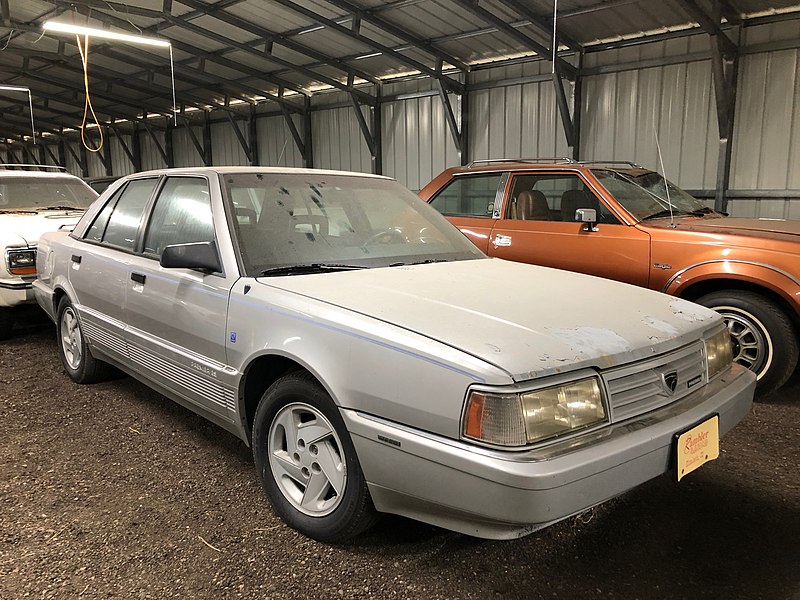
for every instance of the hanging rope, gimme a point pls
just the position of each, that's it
(83, 49)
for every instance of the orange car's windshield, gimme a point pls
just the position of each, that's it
(644, 194)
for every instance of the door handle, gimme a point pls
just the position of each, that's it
(138, 278)
(76, 258)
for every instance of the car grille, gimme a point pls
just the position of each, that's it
(644, 386)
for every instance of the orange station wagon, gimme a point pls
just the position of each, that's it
(620, 221)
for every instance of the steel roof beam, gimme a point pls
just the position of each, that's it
(21, 112)
(109, 76)
(69, 86)
(545, 52)
(545, 26)
(398, 32)
(85, 7)
(733, 16)
(283, 40)
(709, 24)
(199, 83)
(269, 57)
(410, 62)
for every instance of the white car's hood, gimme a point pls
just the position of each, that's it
(29, 226)
(528, 320)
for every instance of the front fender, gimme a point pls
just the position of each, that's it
(784, 284)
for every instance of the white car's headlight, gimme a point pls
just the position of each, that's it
(529, 417)
(719, 352)
(21, 261)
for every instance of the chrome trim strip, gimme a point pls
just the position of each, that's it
(742, 262)
(22, 285)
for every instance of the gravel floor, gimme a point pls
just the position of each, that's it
(113, 491)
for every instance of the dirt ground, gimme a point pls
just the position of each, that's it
(112, 491)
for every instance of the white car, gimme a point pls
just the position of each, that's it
(32, 202)
(377, 361)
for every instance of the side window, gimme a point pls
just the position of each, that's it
(98, 227)
(551, 197)
(127, 214)
(182, 215)
(471, 196)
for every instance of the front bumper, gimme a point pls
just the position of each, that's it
(15, 291)
(503, 495)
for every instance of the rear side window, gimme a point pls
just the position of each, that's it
(471, 196)
(123, 223)
(182, 215)
(98, 228)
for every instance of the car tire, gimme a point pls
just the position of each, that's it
(6, 323)
(315, 484)
(76, 357)
(764, 339)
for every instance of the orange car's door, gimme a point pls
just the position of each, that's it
(471, 203)
(538, 227)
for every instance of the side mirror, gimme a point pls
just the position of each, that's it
(196, 255)
(588, 216)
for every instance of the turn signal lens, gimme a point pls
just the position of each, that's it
(520, 419)
(495, 419)
(22, 261)
(719, 352)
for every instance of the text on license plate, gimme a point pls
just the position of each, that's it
(698, 446)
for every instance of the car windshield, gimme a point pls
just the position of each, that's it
(31, 193)
(644, 194)
(301, 223)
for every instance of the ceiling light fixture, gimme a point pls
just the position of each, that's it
(71, 29)
(19, 88)
(56, 27)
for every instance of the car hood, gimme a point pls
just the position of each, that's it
(765, 228)
(29, 226)
(527, 320)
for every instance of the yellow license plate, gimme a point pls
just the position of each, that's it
(698, 446)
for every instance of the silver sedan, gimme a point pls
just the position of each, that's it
(375, 360)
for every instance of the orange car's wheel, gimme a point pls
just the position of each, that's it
(763, 337)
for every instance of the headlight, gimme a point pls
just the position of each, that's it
(719, 352)
(525, 418)
(21, 261)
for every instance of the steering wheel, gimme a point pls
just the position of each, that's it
(387, 236)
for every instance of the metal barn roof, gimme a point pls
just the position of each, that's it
(230, 51)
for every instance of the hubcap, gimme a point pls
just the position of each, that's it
(71, 341)
(752, 346)
(307, 460)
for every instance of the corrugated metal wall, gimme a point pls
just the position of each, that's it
(630, 96)
(276, 146)
(418, 144)
(338, 142)
(516, 120)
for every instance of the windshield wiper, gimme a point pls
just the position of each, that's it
(17, 210)
(665, 213)
(699, 212)
(307, 269)
(427, 261)
(77, 208)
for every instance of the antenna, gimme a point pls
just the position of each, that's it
(555, 34)
(664, 176)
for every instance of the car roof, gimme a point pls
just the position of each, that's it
(42, 174)
(536, 164)
(265, 170)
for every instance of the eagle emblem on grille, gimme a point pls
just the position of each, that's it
(670, 381)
